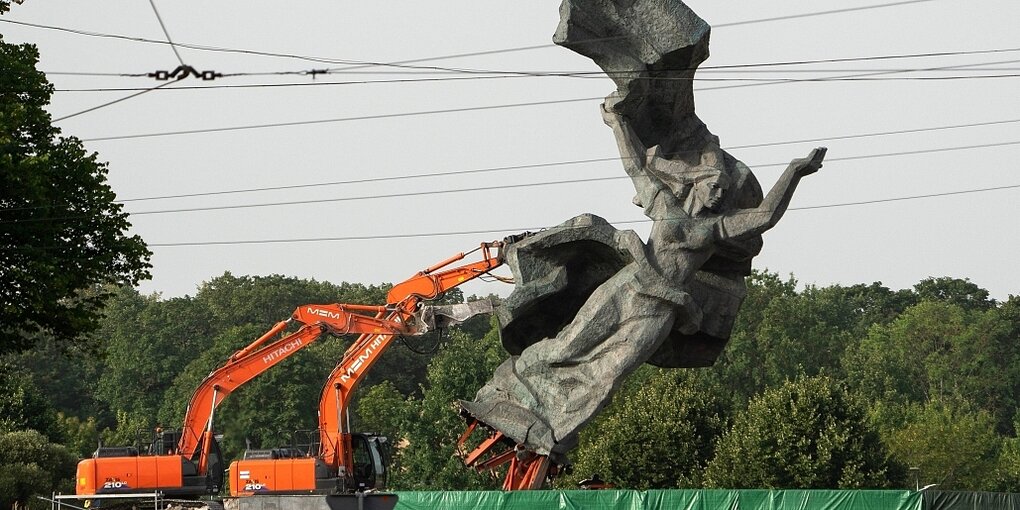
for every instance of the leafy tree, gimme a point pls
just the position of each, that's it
(67, 375)
(660, 436)
(426, 457)
(962, 293)
(1007, 473)
(937, 350)
(384, 410)
(873, 304)
(742, 364)
(1010, 312)
(147, 342)
(31, 465)
(951, 443)
(780, 333)
(62, 236)
(23, 406)
(809, 433)
(81, 436)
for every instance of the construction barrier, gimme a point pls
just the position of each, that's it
(670, 500)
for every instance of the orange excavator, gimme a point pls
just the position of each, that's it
(189, 463)
(343, 461)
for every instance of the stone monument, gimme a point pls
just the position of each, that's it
(592, 303)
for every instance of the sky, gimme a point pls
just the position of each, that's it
(476, 90)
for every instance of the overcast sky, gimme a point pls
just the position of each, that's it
(328, 139)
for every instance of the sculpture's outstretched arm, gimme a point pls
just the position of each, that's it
(745, 222)
(633, 153)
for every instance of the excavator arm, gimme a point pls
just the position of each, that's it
(332, 468)
(265, 353)
(405, 298)
(191, 469)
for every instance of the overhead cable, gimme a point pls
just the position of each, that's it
(476, 171)
(504, 77)
(820, 13)
(751, 67)
(465, 109)
(427, 59)
(166, 32)
(563, 163)
(115, 101)
(494, 187)
(536, 184)
(535, 228)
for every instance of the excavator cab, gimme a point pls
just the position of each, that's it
(213, 479)
(370, 460)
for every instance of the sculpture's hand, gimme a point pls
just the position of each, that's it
(609, 114)
(810, 164)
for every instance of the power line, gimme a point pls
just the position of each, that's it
(166, 32)
(359, 64)
(476, 171)
(115, 101)
(722, 25)
(533, 228)
(821, 13)
(504, 77)
(495, 187)
(321, 60)
(863, 75)
(529, 185)
(142, 91)
(752, 67)
(341, 119)
(900, 199)
(476, 108)
(564, 163)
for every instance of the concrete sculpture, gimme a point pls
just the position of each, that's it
(592, 303)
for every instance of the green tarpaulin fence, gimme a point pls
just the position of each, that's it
(708, 500)
(668, 499)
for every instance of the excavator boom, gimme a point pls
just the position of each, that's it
(333, 468)
(194, 467)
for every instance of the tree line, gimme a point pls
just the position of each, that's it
(824, 387)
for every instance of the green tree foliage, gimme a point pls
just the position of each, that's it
(62, 236)
(158, 351)
(937, 350)
(31, 465)
(780, 333)
(80, 436)
(962, 293)
(147, 342)
(67, 375)
(23, 406)
(660, 436)
(1007, 473)
(809, 433)
(425, 454)
(782, 376)
(951, 444)
(384, 410)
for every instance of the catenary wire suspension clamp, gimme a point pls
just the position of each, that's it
(183, 71)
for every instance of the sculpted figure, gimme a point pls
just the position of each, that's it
(545, 395)
(592, 303)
